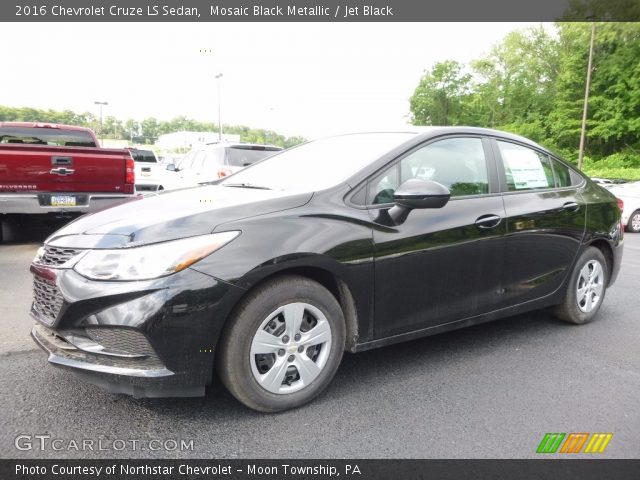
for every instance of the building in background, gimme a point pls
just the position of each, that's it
(111, 143)
(188, 140)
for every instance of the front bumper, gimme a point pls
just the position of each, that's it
(21, 203)
(147, 339)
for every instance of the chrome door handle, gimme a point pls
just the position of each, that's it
(488, 221)
(571, 206)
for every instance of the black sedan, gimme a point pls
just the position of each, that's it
(342, 244)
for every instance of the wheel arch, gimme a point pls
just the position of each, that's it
(607, 252)
(336, 285)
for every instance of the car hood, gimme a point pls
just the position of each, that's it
(172, 215)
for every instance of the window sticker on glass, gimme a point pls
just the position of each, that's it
(525, 168)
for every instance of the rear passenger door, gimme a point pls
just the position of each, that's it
(545, 221)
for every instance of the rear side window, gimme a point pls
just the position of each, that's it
(243, 156)
(54, 137)
(525, 168)
(563, 174)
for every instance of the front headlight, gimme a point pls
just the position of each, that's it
(151, 261)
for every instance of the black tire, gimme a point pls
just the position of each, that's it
(234, 358)
(570, 309)
(630, 227)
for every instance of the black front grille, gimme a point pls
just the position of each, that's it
(56, 256)
(47, 300)
(125, 341)
(61, 347)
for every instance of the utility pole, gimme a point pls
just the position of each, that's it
(583, 131)
(218, 77)
(101, 130)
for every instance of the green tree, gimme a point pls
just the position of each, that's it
(439, 97)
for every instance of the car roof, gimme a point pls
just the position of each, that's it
(44, 125)
(425, 132)
(238, 144)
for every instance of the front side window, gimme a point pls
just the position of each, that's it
(525, 169)
(198, 161)
(187, 161)
(457, 163)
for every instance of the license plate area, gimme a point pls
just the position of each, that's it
(62, 200)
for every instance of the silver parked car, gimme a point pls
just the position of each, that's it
(210, 162)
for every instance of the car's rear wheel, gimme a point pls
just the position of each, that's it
(283, 344)
(586, 289)
(633, 225)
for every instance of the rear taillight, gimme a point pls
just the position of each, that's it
(130, 175)
(621, 207)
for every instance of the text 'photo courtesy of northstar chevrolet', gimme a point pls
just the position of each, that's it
(263, 279)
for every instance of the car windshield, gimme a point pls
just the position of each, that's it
(319, 164)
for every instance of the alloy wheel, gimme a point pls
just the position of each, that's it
(590, 286)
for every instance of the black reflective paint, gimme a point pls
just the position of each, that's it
(438, 269)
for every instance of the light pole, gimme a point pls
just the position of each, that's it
(218, 77)
(101, 130)
(583, 130)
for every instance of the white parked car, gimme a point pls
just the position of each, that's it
(629, 193)
(150, 173)
(211, 162)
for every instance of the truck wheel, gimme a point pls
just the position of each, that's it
(633, 225)
(586, 288)
(283, 344)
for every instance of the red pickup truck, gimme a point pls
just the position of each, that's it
(59, 168)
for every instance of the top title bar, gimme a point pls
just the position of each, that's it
(318, 11)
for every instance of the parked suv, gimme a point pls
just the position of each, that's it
(213, 161)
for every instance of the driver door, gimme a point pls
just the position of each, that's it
(439, 265)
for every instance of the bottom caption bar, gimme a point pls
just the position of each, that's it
(315, 469)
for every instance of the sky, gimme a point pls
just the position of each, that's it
(306, 79)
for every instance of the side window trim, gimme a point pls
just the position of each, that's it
(490, 165)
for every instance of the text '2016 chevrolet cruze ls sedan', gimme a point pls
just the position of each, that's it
(342, 244)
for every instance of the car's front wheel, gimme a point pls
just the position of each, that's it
(633, 225)
(586, 289)
(283, 344)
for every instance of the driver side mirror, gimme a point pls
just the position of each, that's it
(417, 194)
(172, 168)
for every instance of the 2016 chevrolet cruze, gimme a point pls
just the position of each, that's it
(346, 243)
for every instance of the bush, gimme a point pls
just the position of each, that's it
(625, 164)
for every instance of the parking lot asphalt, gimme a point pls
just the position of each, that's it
(490, 391)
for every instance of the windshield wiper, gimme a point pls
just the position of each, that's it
(246, 185)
